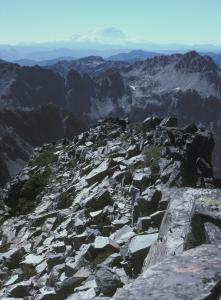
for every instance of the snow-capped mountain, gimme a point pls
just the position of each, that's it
(111, 36)
(103, 42)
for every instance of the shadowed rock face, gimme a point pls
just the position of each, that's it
(32, 100)
(79, 90)
(20, 131)
(29, 87)
(113, 209)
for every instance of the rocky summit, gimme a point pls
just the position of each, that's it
(121, 211)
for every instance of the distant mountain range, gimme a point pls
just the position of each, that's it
(137, 55)
(103, 42)
(118, 84)
(42, 63)
(128, 56)
(133, 56)
(137, 85)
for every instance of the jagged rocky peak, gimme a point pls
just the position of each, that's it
(92, 65)
(160, 83)
(194, 62)
(92, 59)
(112, 85)
(190, 62)
(87, 216)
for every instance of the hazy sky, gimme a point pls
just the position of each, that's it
(158, 21)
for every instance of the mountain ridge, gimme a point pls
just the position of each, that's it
(93, 88)
(92, 216)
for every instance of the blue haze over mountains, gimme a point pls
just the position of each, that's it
(105, 42)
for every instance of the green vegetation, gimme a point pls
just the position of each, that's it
(31, 189)
(35, 184)
(138, 127)
(44, 159)
(152, 156)
(73, 162)
(65, 200)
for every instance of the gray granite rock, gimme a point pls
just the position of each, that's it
(107, 280)
(178, 231)
(195, 274)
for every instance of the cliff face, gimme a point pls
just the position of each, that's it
(29, 87)
(20, 131)
(90, 215)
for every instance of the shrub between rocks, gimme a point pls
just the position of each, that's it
(31, 189)
(44, 159)
(152, 156)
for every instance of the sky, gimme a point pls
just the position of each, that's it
(157, 21)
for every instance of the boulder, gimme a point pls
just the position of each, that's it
(151, 122)
(140, 245)
(146, 204)
(20, 290)
(55, 275)
(183, 223)
(195, 274)
(67, 286)
(87, 294)
(136, 250)
(13, 257)
(102, 243)
(13, 279)
(113, 260)
(54, 259)
(123, 235)
(47, 295)
(97, 200)
(30, 262)
(98, 173)
(133, 150)
(143, 224)
(169, 122)
(141, 178)
(107, 280)
(156, 218)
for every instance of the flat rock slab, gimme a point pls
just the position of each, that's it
(141, 243)
(196, 274)
(98, 173)
(176, 227)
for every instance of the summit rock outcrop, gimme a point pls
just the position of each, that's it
(117, 212)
